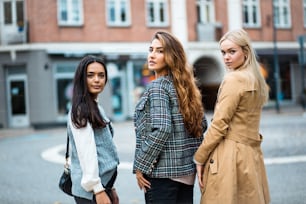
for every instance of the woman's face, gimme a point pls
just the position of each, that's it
(96, 78)
(156, 58)
(233, 55)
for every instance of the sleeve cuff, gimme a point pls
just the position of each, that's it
(196, 162)
(98, 188)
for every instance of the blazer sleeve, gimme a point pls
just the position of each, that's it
(227, 102)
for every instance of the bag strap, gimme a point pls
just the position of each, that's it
(67, 150)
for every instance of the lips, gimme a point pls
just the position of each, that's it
(151, 63)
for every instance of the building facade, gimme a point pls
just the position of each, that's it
(41, 43)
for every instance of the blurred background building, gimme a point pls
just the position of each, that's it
(42, 41)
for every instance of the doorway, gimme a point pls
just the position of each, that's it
(18, 113)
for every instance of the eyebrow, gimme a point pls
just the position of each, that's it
(231, 48)
(157, 47)
(95, 72)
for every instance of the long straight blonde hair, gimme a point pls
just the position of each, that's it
(241, 38)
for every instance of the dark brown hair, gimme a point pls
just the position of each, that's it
(84, 107)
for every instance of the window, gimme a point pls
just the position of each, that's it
(8, 16)
(63, 79)
(19, 13)
(157, 11)
(251, 13)
(304, 7)
(70, 12)
(13, 13)
(118, 13)
(282, 13)
(205, 11)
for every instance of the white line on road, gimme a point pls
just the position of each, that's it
(53, 155)
(285, 160)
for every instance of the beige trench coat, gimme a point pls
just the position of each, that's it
(234, 171)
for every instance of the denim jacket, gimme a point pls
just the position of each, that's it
(107, 156)
(164, 149)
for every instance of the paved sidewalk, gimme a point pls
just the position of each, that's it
(13, 132)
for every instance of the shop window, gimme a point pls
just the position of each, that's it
(63, 79)
(142, 77)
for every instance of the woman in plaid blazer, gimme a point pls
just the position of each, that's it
(169, 123)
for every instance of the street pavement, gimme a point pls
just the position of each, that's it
(282, 155)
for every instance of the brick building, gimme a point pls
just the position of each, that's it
(41, 43)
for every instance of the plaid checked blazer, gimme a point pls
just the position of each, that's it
(164, 149)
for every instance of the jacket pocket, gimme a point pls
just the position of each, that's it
(141, 112)
(211, 168)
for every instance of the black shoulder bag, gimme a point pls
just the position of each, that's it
(65, 182)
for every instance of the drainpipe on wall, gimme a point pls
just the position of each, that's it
(302, 64)
(276, 65)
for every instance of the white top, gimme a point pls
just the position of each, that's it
(87, 153)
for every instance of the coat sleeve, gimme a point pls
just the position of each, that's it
(227, 102)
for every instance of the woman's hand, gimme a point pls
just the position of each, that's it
(142, 182)
(200, 170)
(115, 196)
(102, 198)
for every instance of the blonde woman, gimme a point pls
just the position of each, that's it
(230, 164)
(169, 123)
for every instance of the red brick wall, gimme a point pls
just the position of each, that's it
(191, 13)
(43, 25)
(265, 33)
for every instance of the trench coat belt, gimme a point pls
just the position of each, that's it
(245, 140)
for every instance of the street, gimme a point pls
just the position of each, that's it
(31, 162)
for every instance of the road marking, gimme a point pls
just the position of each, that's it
(285, 160)
(54, 155)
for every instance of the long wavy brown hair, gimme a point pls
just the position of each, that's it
(190, 99)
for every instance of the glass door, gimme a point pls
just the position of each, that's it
(17, 101)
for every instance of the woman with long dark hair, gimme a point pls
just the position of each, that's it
(94, 158)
